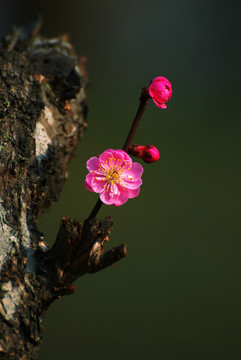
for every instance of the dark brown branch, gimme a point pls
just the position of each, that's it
(100, 260)
(79, 251)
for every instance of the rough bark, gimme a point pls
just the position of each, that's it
(42, 118)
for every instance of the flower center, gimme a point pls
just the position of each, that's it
(112, 176)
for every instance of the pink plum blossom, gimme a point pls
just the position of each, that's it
(114, 176)
(160, 90)
(148, 153)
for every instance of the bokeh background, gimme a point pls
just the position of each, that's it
(178, 293)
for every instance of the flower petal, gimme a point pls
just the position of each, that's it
(115, 159)
(106, 197)
(135, 172)
(105, 156)
(133, 193)
(93, 164)
(97, 184)
(160, 105)
(122, 197)
(131, 184)
(88, 186)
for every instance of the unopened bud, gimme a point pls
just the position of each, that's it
(148, 153)
(160, 90)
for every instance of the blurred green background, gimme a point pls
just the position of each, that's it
(178, 293)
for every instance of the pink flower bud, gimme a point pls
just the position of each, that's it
(148, 153)
(160, 90)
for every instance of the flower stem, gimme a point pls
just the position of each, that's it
(96, 209)
(143, 102)
(144, 98)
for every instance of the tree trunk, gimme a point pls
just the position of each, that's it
(43, 112)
